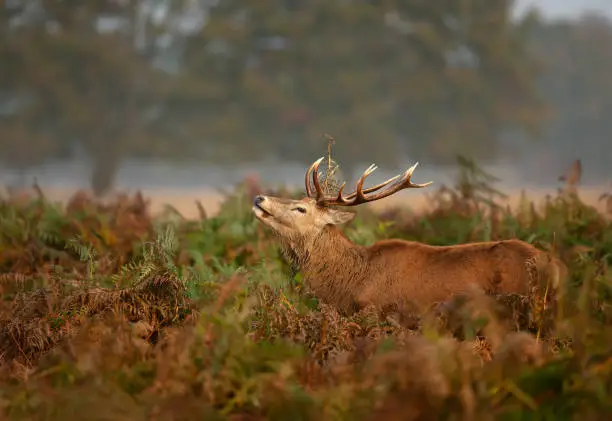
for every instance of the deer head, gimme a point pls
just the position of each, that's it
(302, 221)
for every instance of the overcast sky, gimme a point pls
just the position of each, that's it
(566, 8)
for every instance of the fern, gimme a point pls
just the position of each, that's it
(50, 225)
(13, 228)
(86, 253)
(226, 270)
(476, 185)
(157, 257)
(167, 241)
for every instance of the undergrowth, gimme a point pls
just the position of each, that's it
(107, 313)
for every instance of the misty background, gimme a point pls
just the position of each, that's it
(196, 94)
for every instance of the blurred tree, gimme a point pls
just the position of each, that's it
(442, 76)
(466, 77)
(578, 60)
(75, 80)
(250, 79)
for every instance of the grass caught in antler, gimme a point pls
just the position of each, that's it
(109, 313)
(330, 176)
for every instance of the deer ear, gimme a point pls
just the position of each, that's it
(336, 217)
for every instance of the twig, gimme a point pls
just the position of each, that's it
(545, 298)
(330, 170)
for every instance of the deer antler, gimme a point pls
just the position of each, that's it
(359, 195)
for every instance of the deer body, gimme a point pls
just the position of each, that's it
(402, 273)
(389, 274)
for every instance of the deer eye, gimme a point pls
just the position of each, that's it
(300, 209)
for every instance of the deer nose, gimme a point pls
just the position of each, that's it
(258, 199)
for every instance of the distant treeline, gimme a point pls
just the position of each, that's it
(230, 81)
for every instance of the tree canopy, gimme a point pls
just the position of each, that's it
(578, 56)
(230, 81)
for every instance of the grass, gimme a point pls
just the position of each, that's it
(107, 313)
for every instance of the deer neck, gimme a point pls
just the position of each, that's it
(333, 266)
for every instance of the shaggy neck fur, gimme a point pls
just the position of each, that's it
(334, 268)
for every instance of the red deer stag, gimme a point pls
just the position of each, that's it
(389, 274)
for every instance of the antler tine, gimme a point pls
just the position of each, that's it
(340, 198)
(359, 195)
(315, 179)
(407, 179)
(405, 183)
(314, 168)
(373, 188)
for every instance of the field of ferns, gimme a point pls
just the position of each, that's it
(110, 314)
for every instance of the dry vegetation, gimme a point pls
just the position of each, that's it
(107, 313)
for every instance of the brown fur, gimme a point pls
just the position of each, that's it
(392, 273)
